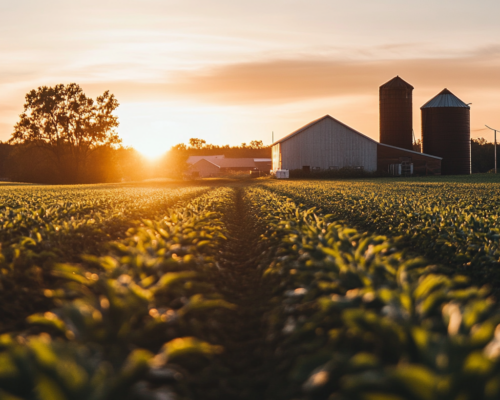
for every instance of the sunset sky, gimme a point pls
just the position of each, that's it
(232, 71)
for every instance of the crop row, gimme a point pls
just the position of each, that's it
(40, 226)
(453, 223)
(355, 318)
(130, 324)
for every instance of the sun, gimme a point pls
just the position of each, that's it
(150, 151)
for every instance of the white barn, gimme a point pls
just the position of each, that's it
(325, 144)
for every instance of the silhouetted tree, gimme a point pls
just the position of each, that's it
(5, 150)
(417, 146)
(68, 125)
(482, 155)
(196, 143)
(256, 144)
(31, 163)
(180, 147)
(174, 162)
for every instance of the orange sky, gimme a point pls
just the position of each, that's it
(234, 71)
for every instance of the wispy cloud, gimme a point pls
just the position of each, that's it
(291, 80)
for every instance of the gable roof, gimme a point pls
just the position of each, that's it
(234, 162)
(195, 159)
(348, 127)
(204, 161)
(317, 121)
(228, 162)
(445, 99)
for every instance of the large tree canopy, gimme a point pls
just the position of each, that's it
(67, 123)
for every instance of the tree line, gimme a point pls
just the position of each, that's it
(482, 154)
(255, 149)
(65, 137)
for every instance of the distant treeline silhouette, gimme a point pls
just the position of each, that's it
(65, 137)
(35, 164)
(482, 154)
(198, 147)
(106, 164)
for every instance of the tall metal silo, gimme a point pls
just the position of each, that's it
(446, 132)
(396, 121)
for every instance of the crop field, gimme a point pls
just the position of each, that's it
(290, 290)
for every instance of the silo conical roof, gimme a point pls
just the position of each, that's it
(396, 83)
(445, 99)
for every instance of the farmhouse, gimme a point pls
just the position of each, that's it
(327, 143)
(213, 167)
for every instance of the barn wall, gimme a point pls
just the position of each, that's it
(328, 144)
(205, 168)
(422, 163)
(276, 149)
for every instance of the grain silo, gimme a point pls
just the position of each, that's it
(446, 132)
(396, 122)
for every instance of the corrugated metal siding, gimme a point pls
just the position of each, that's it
(445, 99)
(276, 157)
(328, 144)
(446, 133)
(396, 118)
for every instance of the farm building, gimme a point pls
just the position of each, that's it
(194, 159)
(446, 132)
(327, 143)
(423, 164)
(213, 167)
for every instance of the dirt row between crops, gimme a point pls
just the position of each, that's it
(244, 370)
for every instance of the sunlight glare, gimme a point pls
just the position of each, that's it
(151, 149)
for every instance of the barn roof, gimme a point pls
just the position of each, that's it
(410, 151)
(195, 159)
(229, 162)
(205, 161)
(234, 162)
(317, 121)
(348, 127)
(445, 99)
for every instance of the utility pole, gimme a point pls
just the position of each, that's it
(494, 130)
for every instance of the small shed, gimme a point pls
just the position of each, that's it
(213, 167)
(205, 168)
(235, 164)
(263, 164)
(423, 164)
